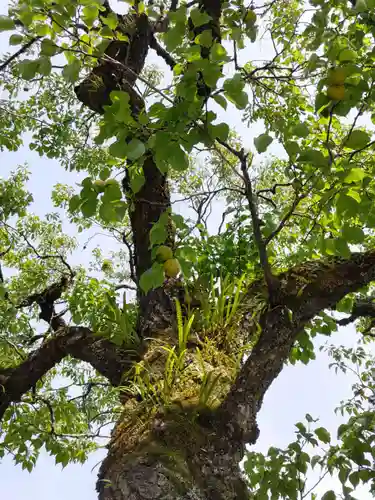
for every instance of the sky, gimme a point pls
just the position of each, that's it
(298, 390)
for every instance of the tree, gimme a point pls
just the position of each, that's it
(182, 368)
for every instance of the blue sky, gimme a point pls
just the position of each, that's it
(299, 390)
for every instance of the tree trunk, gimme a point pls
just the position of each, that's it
(180, 455)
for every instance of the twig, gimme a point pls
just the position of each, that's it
(127, 287)
(263, 257)
(361, 149)
(331, 159)
(131, 258)
(13, 346)
(268, 200)
(19, 52)
(274, 187)
(284, 219)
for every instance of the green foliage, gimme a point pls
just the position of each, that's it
(183, 328)
(314, 196)
(285, 473)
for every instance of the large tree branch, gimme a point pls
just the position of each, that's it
(304, 292)
(360, 309)
(108, 359)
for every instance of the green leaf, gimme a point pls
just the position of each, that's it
(137, 181)
(355, 195)
(112, 193)
(90, 14)
(108, 212)
(343, 475)
(48, 48)
(204, 38)
(28, 69)
(221, 131)
(329, 495)
(357, 139)
(313, 156)
(118, 149)
(342, 248)
(221, 100)
(74, 203)
(88, 207)
(71, 71)
(292, 148)
(6, 23)
(111, 20)
(179, 222)
(355, 175)
(323, 435)
(104, 173)
(353, 234)
(152, 278)
(234, 84)
(218, 53)
(199, 17)
(174, 36)
(262, 142)
(177, 157)
(135, 149)
(158, 234)
(321, 103)
(240, 99)
(354, 478)
(15, 39)
(45, 66)
(120, 106)
(346, 205)
(347, 55)
(300, 130)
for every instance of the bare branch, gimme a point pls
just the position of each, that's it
(263, 257)
(126, 287)
(19, 52)
(285, 219)
(46, 301)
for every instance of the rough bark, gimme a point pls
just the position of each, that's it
(195, 454)
(323, 284)
(79, 342)
(149, 204)
(118, 70)
(184, 453)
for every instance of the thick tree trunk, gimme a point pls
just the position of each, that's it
(180, 456)
(118, 70)
(149, 204)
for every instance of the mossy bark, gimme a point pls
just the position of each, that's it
(182, 455)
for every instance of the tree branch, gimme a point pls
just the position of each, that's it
(361, 308)
(108, 359)
(327, 283)
(19, 52)
(154, 44)
(285, 219)
(262, 250)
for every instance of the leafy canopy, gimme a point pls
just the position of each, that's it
(312, 171)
